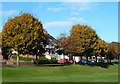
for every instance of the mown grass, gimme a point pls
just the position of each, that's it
(70, 73)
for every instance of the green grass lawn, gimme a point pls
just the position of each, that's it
(70, 73)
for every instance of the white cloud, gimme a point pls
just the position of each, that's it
(77, 20)
(57, 24)
(64, 24)
(55, 9)
(8, 13)
(72, 5)
(79, 6)
(75, 13)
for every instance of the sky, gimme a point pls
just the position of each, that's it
(59, 17)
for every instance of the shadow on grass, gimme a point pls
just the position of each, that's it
(103, 65)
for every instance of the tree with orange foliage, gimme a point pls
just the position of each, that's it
(24, 34)
(83, 40)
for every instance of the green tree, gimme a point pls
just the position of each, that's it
(24, 34)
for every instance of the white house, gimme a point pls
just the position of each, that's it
(62, 56)
(48, 56)
(50, 48)
(77, 58)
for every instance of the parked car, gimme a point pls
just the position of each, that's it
(64, 60)
(93, 61)
(71, 61)
(85, 61)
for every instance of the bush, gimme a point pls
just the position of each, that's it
(14, 57)
(22, 58)
(43, 60)
(53, 61)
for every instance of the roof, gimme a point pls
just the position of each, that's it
(51, 40)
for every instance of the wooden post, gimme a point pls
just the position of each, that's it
(17, 59)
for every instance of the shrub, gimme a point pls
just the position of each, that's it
(22, 58)
(43, 60)
(53, 61)
(14, 57)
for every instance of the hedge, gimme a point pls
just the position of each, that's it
(23, 58)
(43, 60)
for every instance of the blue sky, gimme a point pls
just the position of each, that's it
(58, 17)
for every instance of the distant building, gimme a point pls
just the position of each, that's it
(50, 49)
(51, 45)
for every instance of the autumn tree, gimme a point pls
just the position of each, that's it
(101, 49)
(86, 41)
(66, 44)
(0, 39)
(83, 40)
(24, 34)
(114, 50)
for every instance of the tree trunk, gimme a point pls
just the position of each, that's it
(81, 60)
(118, 57)
(96, 59)
(87, 59)
(107, 59)
(36, 61)
(110, 59)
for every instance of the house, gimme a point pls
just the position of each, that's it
(50, 49)
(49, 56)
(77, 58)
(51, 45)
(62, 56)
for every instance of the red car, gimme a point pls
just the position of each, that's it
(64, 60)
(71, 61)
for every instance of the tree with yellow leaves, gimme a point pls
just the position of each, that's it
(24, 34)
(86, 41)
